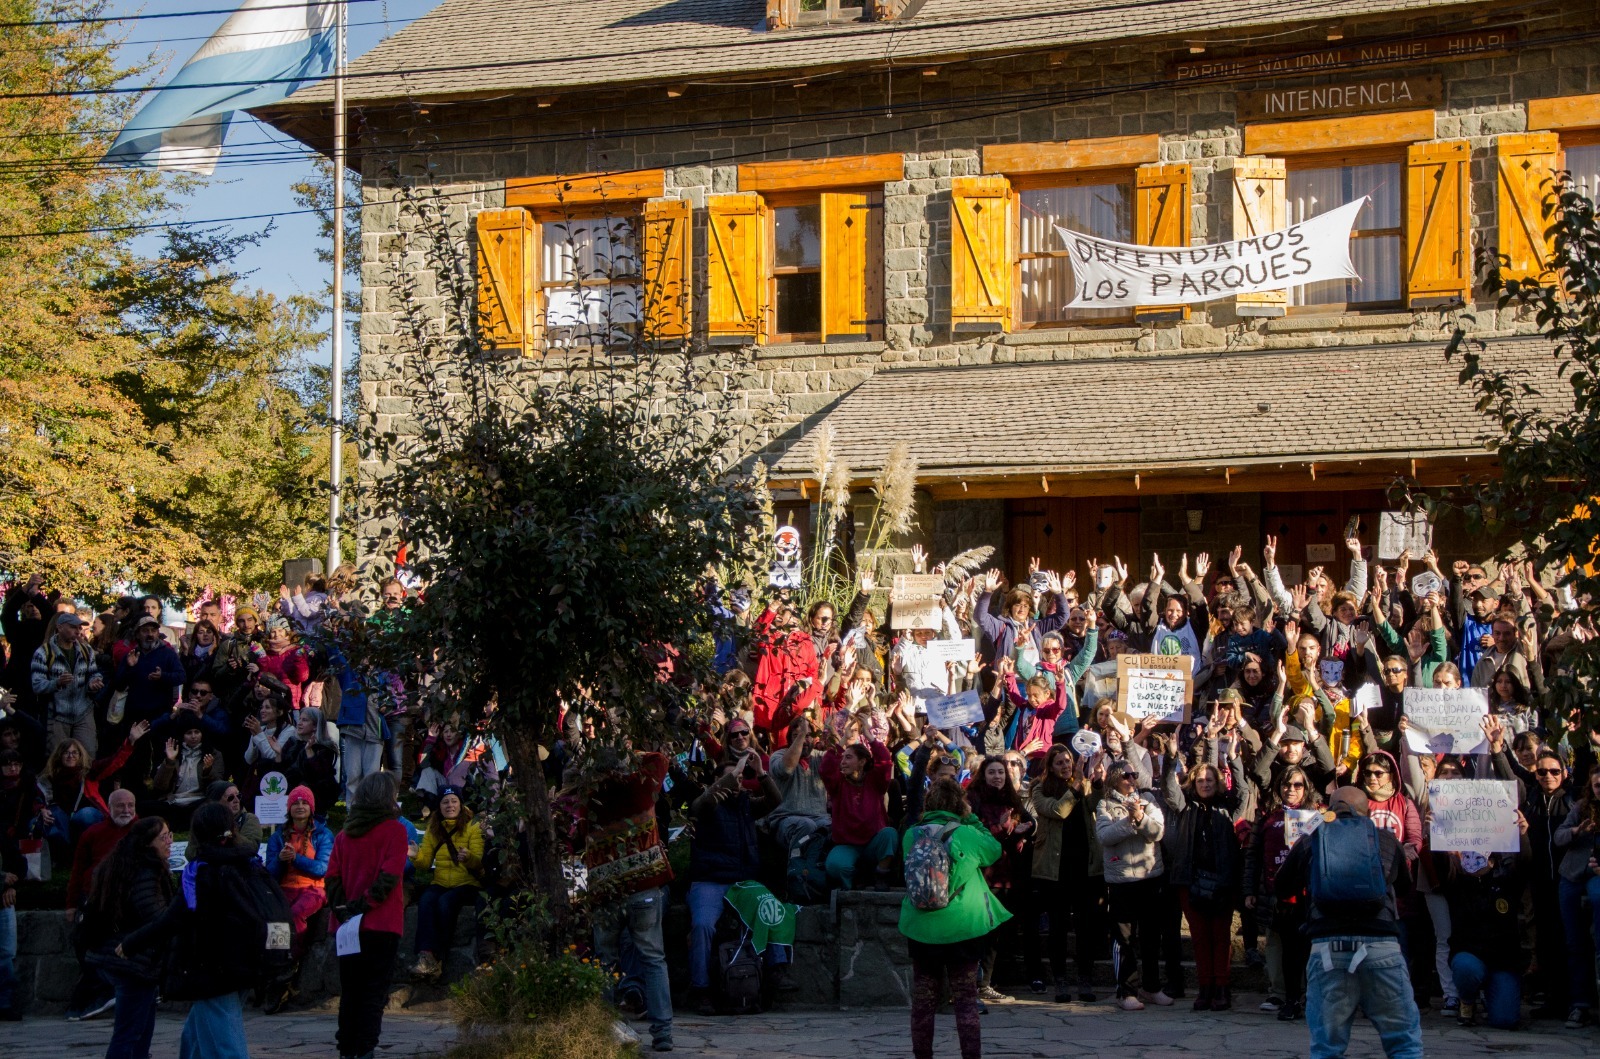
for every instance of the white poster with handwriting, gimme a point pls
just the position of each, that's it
(1479, 816)
(1401, 531)
(951, 711)
(1446, 720)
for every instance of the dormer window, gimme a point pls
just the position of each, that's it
(784, 14)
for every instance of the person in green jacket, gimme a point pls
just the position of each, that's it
(951, 940)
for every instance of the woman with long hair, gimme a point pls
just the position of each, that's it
(998, 803)
(452, 848)
(1203, 866)
(1060, 876)
(948, 942)
(363, 879)
(73, 798)
(199, 651)
(132, 887)
(1270, 840)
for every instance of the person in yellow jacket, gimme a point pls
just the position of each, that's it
(1333, 706)
(453, 847)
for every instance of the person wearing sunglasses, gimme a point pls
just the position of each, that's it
(1546, 803)
(1269, 844)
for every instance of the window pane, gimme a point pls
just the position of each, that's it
(588, 316)
(797, 236)
(813, 5)
(600, 249)
(800, 303)
(1377, 258)
(1104, 210)
(1585, 165)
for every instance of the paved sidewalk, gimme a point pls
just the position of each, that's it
(1027, 1028)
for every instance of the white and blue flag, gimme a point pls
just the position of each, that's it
(264, 52)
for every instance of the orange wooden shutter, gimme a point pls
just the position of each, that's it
(667, 290)
(735, 265)
(1260, 206)
(982, 255)
(1527, 163)
(847, 225)
(1161, 216)
(1438, 224)
(508, 266)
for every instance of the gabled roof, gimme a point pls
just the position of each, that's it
(467, 48)
(1173, 413)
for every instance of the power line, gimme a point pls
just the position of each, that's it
(99, 19)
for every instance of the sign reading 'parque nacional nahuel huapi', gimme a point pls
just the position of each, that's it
(1345, 55)
(1107, 274)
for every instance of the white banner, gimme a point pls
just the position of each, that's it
(1108, 274)
(1479, 816)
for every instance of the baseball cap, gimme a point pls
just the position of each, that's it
(1293, 734)
(1230, 697)
(70, 619)
(147, 620)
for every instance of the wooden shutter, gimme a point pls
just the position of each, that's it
(1527, 163)
(1161, 216)
(508, 279)
(1260, 206)
(847, 225)
(1438, 225)
(735, 266)
(982, 255)
(667, 243)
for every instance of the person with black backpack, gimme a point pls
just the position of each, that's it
(948, 913)
(228, 919)
(1354, 872)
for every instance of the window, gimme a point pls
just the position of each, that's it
(1583, 161)
(797, 269)
(1376, 245)
(814, 11)
(591, 280)
(1094, 204)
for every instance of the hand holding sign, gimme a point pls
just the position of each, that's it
(1476, 815)
(1446, 720)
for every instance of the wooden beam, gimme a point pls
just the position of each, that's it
(1564, 112)
(814, 174)
(585, 190)
(1334, 134)
(1100, 153)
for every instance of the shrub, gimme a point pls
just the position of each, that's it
(523, 985)
(583, 1032)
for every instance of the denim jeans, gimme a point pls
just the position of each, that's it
(705, 908)
(1582, 932)
(843, 860)
(215, 1030)
(638, 918)
(8, 957)
(1439, 912)
(1372, 979)
(437, 911)
(134, 1021)
(360, 757)
(1502, 990)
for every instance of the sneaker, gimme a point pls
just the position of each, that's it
(630, 1002)
(1577, 1018)
(983, 1009)
(1466, 1015)
(662, 1044)
(1132, 1003)
(703, 1004)
(94, 1011)
(1160, 1000)
(427, 966)
(990, 995)
(1271, 1005)
(1289, 1012)
(1452, 1004)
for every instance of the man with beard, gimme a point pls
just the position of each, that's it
(93, 995)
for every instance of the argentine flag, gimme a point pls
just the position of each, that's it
(265, 51)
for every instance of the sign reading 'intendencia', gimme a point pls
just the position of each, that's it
(1354, 55)
(1342, 97)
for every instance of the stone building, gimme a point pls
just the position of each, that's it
(864, 200)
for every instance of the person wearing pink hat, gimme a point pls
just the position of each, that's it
(297, 856)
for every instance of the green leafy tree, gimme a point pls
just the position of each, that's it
(1546, 435)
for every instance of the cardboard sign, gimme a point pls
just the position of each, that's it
(1473, 815)
(1400, 531)
(916, 601)
(1321, 553)
(1446, 720)
(1298, 823)
(1291, 573)
(952, 711)
(1158, 686)
(1427, 583)
(962, 651)
(272, 809)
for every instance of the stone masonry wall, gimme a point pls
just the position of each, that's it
(939, 123)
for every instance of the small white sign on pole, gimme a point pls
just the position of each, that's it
(1478, 816)
(272, 809)
(952, 650)
(1446, 720)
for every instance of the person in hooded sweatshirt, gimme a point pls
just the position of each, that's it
(212, 964)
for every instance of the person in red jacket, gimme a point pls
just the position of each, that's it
(363, 879)
(93, 995)
(787, 669)
(857, 778)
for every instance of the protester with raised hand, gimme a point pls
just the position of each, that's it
(1129, 826)
(857, 777)
(1061, 888)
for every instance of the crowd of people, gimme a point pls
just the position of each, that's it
(1056, 845)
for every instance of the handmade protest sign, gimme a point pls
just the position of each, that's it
(1446, 720)
(1158, 686)
(951, 711)
(1400, 531)
(1473, 815)
(1107, 274)
(1298, 823)
(951, 650)
(916, 601)
(785, 569)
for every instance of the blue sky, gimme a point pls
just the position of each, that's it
(285, 261)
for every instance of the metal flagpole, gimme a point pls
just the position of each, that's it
(336, 411)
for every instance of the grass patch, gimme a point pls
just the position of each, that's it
(581, 1032)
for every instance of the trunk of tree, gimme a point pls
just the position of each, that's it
(542, 866)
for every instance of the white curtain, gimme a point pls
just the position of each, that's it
(1377, 258)
(1584, 162)
(1105, 210)
(591, 272)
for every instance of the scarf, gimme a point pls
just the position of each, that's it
(363, 818)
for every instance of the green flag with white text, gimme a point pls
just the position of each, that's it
(767, 918)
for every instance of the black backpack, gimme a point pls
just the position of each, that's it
(741, 976)
(240, 933)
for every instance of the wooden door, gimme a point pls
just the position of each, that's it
(1065, 533)
(1309, 524)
